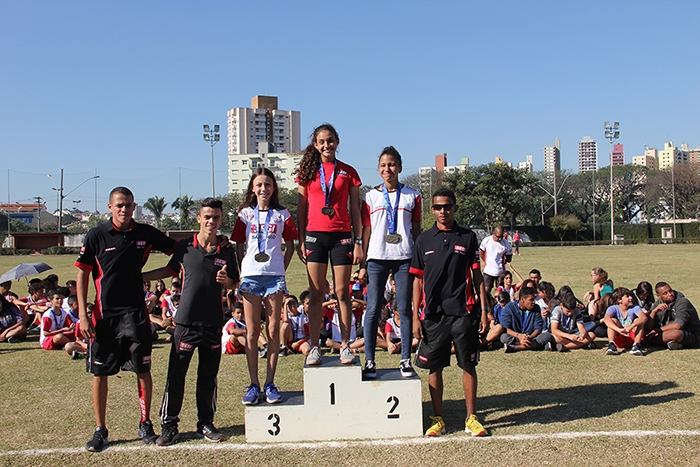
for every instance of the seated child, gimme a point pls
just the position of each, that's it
(495, 327)
(330, 312)
(295, 327)
(392, 331)
(568, 329)
(625, 323)
(57, 329)
(79, 348)
(12, 328)
(523, 324)
(233, 336)
(545, 295)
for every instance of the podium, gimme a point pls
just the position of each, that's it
(337, 403)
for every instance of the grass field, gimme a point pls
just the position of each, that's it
(580, 408)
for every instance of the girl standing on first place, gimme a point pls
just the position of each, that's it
(326, 229)
(391, 216)
(262, 225)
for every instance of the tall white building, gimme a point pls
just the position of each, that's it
(552, 159)
(263, 123)
(527, 165)
(587, 155)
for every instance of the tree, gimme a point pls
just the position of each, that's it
(562, 223)
(630, 191)
(156, 205)
(186, 206)
(492, 194)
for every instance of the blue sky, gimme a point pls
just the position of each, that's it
(124, 87)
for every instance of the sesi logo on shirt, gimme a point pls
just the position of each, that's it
(220, 262)
(140, 243)
(460, 249)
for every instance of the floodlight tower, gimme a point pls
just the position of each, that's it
(612, 133)
(212, 137)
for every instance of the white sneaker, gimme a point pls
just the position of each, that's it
(315, 357)
(346, 356)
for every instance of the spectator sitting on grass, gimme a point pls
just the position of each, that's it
(523, 324)
(331, 312)
(644, 296)
(233, 337)
(295, 327)
(57, 329)
(673, 320)
(545, 295)
(79, 348)
(495, 327)
(568, 329)
(35, 304)
(625, 322)
(12, 327)
(392, 331)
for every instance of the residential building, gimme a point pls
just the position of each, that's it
(28, 213)
(282, 165)
(670, 155)
(263, 123)
(552, 160)
(649, 159)
(527, 165)
(428, 173)
(499, 160)
(618, 154)
(587, 155)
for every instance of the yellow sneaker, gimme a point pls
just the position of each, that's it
(473, 426)
(437, 428)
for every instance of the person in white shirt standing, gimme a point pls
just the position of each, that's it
(495, 251)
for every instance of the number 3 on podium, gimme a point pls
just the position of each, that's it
(275, 424)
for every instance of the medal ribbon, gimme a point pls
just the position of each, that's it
(262, 236)
(392, 215)
(327, 189)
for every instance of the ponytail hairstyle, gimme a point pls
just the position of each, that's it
(311, 160)
(250, 200)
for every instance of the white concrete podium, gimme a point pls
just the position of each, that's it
(338, 404)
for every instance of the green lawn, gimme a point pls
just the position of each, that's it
(46, 397)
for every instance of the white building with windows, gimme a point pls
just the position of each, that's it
(587, 155)
(282, 165)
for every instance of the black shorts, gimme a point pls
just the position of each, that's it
(439, 333)
(489, 281)
(122, 342)
(339, 245)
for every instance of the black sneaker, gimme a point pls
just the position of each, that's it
(406, 369)
(612, 349)
(78, 356)
(210, 433)
(146, 433)
(168, 435)
(370, 370)
(99, 441)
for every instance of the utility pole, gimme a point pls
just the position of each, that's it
(38, 213)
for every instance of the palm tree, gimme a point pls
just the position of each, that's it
(185, 205)
(156, 205)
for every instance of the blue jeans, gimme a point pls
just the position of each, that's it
(378, 273)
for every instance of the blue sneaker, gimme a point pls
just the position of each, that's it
(272, 394)
(252, 395)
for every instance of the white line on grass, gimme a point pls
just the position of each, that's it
(378, 442)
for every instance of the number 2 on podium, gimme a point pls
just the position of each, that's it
(395, 403)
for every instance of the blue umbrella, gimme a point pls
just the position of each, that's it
(24, 270)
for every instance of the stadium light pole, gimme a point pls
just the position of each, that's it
(612, 133)
(212, 137)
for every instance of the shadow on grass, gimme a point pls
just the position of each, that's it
(561, 405)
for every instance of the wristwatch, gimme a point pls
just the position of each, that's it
(358, 240)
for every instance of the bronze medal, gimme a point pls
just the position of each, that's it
(393, 238)
(327, 211)
(262, 257)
